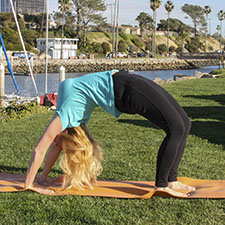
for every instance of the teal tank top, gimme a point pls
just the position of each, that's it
(77, 98)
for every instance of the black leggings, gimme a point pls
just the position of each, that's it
(136, 94)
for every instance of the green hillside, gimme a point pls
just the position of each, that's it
(145, 40)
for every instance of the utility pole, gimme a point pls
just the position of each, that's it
(111, 8)
(114, 22)
(209, 26)
(112, 25)
(46, 50)
(2, 84)
(117, 27)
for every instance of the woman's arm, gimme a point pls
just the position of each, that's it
(51, 131)
(53, 154)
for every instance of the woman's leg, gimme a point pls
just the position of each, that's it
(187, 126)
(155, 104)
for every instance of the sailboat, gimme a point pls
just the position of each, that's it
(48, 99)
(18, 97)
(9, 64)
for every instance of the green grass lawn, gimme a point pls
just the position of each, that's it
(130, 146)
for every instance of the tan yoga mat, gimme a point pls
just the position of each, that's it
(120, 189)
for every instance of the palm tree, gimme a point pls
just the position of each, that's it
(207, 11)
(221, 17)
(64, 5)
(154, 5)
(183, 35)
(169, 6)
(218, 28)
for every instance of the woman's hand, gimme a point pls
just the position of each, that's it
(48, 182)
(41, 190)
(45, 181)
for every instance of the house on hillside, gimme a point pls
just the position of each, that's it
(130, 30)
(52, 24)
(54, 45)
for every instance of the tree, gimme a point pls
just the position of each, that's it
(145, 21)
(184, 37)
(87, 11)
(175, 25)
(221, 17)
(196, 13)
(64, 6)
(35, 20)
(169, 7)
(193, 45)
(7, 20)
(154, 5)
(207, 11)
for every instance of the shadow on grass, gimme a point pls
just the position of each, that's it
(217, 98)
(11, 169)
(206, 112)
(208, 123)
(212, 131)
(141, 123)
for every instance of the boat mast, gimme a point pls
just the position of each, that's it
(46, 49)
(9, 65)
(24, 49)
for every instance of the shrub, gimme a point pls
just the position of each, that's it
(162, 48)
(16, 111)
(148, 46)
(122, 46)
(172, 49)
(95, 47)
(179, 49)
(210, 48)
(106, 47)
(132, 48)
(217, 72)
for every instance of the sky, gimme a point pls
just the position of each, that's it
(130, 9)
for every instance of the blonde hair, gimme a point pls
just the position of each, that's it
(81, 158)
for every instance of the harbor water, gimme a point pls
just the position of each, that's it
(27, 89)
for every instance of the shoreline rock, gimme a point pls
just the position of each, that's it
(179, 77)
(94, 65)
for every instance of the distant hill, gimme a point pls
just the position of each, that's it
(130, 39)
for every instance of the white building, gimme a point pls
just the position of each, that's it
(23, 6)
(54, 46)
(5, 6)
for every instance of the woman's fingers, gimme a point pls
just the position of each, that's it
(42, 190)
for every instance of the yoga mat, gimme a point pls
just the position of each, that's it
(214, 189)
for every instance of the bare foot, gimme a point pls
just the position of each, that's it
(171, 191)
(176, 185)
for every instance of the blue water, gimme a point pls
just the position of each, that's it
(27, 89)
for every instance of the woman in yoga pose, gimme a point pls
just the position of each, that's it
(116, 93)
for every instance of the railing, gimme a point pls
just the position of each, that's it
(208, 55)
